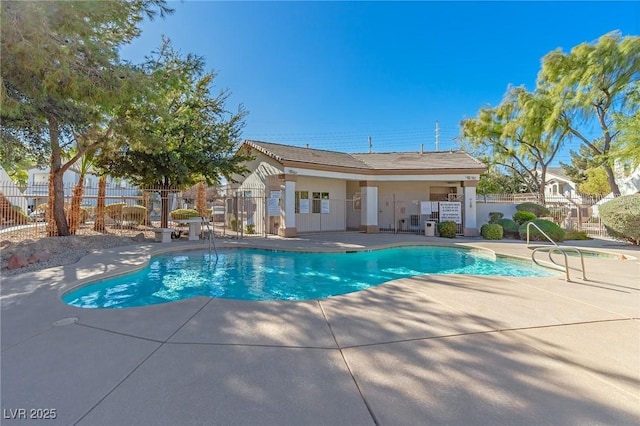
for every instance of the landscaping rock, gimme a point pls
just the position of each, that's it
(16, 262)
(140, 238)
(39, 256)
(54, 251)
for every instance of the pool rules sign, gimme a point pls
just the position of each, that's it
(450, 211)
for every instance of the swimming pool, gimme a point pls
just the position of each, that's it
(255, 274)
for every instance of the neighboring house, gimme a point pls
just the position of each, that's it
(628, 178)
(10, 190)
(310, 190)
(38, 187)
(559, 189)
(559, 184)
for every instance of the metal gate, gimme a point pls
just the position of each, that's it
(398, 215)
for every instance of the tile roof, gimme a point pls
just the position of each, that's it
(559, 172)
(307, 155)
(441, 160)
(432, 160)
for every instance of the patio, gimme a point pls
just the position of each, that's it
(425, 350)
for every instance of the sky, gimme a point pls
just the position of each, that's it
(333, 74)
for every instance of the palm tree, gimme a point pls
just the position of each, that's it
(98, 224)
(86, 162)
(201, 200)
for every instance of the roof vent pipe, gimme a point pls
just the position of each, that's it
(370, 146)
(307, 146)
(421, 148)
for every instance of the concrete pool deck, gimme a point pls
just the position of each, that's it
(464, 350)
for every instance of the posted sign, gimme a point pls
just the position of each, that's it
(450, 211)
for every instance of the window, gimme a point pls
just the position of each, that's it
(316, 203)
(302, 201)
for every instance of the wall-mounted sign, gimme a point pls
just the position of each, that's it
(304, 205)
(357, 201)
(450, 211)
(324, 206)
(273, 206)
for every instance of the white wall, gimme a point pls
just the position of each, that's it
(630, 184)
(483, 210)
(11, 191)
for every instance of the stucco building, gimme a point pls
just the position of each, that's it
(311, 190)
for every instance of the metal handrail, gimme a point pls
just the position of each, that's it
(211, 237)
(566, 261)
(541, 231)
(557, 249)
(564, 250)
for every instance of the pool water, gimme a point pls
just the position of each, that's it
(253, 274)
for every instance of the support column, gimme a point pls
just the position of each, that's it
(369, 212)
(470, 226)
(288, 228)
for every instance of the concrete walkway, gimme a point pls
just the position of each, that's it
(461, 350)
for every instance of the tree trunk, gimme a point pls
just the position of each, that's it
(52, 229)
(164, 196)
(59, 215)
(56, 185)
(102, 193)
(612, 180)
(542, 186)
(147, 206)
(164, 212)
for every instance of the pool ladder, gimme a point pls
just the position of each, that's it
(555, 249)
(210, 233)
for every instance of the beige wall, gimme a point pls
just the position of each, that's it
(415, 190)
(262, 168)
(336, 219)
(336, 188)
(399, 201)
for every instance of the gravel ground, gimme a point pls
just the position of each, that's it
(61, 250)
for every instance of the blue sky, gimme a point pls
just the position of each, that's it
(330, 74)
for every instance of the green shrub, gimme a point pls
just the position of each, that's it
(572, 234)
(491, 231)
(184, 214)
(250, 228)
(551, 229)
(85, 212)
(534, 208)
(494, 217)
(523, 217)
(621, 218)
(114, 211)
(234, 224)
(509, 228)
(134, 214)
(447, 229)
